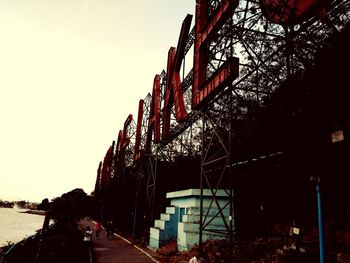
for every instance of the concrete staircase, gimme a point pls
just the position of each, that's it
(181, 220)
(165, 228)
(188, 228)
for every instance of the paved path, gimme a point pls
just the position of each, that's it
(116, 250)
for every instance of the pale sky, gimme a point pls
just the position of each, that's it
(70, 73)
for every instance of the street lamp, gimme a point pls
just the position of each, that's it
(316, 179)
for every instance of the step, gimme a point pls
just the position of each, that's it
(158, 223)
(170, 210)
(218, 220)
(213, 211)
(154, 232)
(194, 201)
(153, 244)
(165, 217)
(155, 238)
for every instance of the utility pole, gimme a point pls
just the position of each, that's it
(316, 179)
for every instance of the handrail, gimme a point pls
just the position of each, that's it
(10, 249)
(20, 243)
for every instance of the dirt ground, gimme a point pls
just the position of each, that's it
(272, 249)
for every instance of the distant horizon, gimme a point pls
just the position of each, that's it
(50, 199)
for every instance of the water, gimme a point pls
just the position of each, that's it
(15, 226)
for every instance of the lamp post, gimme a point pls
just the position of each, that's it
(316, 179)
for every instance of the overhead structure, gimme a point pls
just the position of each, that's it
(243, 51)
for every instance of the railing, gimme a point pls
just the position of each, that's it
(12, 255)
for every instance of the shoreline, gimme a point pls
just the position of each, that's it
(34, 212)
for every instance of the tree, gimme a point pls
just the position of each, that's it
(45, 205)
(71, 206)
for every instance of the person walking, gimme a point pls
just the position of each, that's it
(87, 243)
(112, 227)
(108, 230)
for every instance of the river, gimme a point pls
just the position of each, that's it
(15, 226)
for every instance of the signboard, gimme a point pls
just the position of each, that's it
(289, 12)
(203, 89)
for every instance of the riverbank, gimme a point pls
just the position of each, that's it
(34, 212)
(16, 225)
(59, 243)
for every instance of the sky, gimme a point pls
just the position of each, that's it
(70, 73)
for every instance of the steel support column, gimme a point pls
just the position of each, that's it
(216, 168)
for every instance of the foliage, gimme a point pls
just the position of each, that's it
(44, 205)
(71, 206)
(22, 203)
(6, 204)
(62, 243)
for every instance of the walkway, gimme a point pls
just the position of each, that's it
(117, 250)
